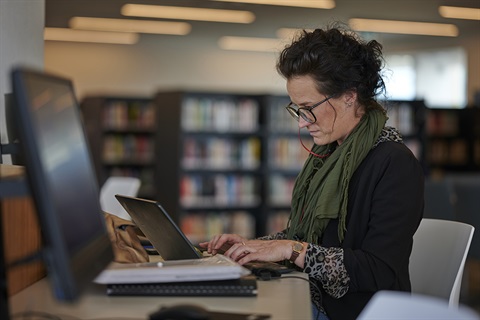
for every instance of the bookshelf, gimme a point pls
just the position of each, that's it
(122, 134)
(217, 162)
(453, 144)
(409, 118)
(284, 157)
(210, 164)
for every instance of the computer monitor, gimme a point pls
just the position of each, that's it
(61, 180)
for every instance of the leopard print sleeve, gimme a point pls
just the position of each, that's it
(325, 266)
(274, 236)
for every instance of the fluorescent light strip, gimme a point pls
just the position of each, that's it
(317, 4)
(187, 13)
(459, 12)
(250, 44)
(404, 27)
(65, 34)
(129, 25)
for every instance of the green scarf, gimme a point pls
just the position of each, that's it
(320, 192)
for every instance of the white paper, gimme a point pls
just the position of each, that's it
(216, 267)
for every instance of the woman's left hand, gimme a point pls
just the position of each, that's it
(260, 250)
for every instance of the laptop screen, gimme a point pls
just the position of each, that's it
(159, 228)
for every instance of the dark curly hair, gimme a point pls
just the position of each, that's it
(338, 60)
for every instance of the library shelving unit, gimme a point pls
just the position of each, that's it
(217, 162)
(409, 117)
(122, 137)
(209, 162)
(284, 157)
(453, 140)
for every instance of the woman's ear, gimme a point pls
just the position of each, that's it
(350, 98)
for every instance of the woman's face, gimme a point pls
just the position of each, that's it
(336, 117)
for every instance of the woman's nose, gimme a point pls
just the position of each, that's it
(302, 123)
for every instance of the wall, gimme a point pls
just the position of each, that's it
(163, 62)
(21, 43)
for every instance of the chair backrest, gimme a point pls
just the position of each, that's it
(390, 305)
(440, 248)
(127, 186)
(467, 206)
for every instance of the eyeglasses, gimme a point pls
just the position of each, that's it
(305, 112)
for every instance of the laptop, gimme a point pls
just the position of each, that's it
(168, 239)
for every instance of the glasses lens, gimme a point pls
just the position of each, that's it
(293, 112)
(307, 115)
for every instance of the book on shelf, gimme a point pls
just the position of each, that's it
(277, 221)
(443, 122)
(280, 189)
(219, 114)
(402, 118)
(122, 114)
(289, 153)
(218, 190)
(119, 147)
(217, 153)
(202, 226)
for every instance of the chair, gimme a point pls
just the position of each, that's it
(127, 186)
(396, 305)
(467, 206)
(440, 248)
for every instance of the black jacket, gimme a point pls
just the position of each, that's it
(385, 206)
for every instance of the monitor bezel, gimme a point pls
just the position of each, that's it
(69, 275)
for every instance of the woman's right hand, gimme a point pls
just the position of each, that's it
(221, 243)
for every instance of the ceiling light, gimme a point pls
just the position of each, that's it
(128, 25)
(317, 4)
(65, 34)
(186, 13)
(404, 27)
(250, 44)
(459, 12)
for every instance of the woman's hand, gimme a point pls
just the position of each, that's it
(221, 243)
(242, 250)
(260, 250)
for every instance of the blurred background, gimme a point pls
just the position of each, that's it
(201, 58)
(190, 102)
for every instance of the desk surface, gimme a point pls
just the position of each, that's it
(287, 298)
(12, 182)
(10, 171)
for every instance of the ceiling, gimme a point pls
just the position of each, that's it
(270, 18)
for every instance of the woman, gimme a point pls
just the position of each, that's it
(358, 199)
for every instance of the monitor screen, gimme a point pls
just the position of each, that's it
(61, 179)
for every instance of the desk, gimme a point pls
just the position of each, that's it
(286, 299)
(19, 228)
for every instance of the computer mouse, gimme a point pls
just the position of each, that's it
(266, 274)
(181, 312)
